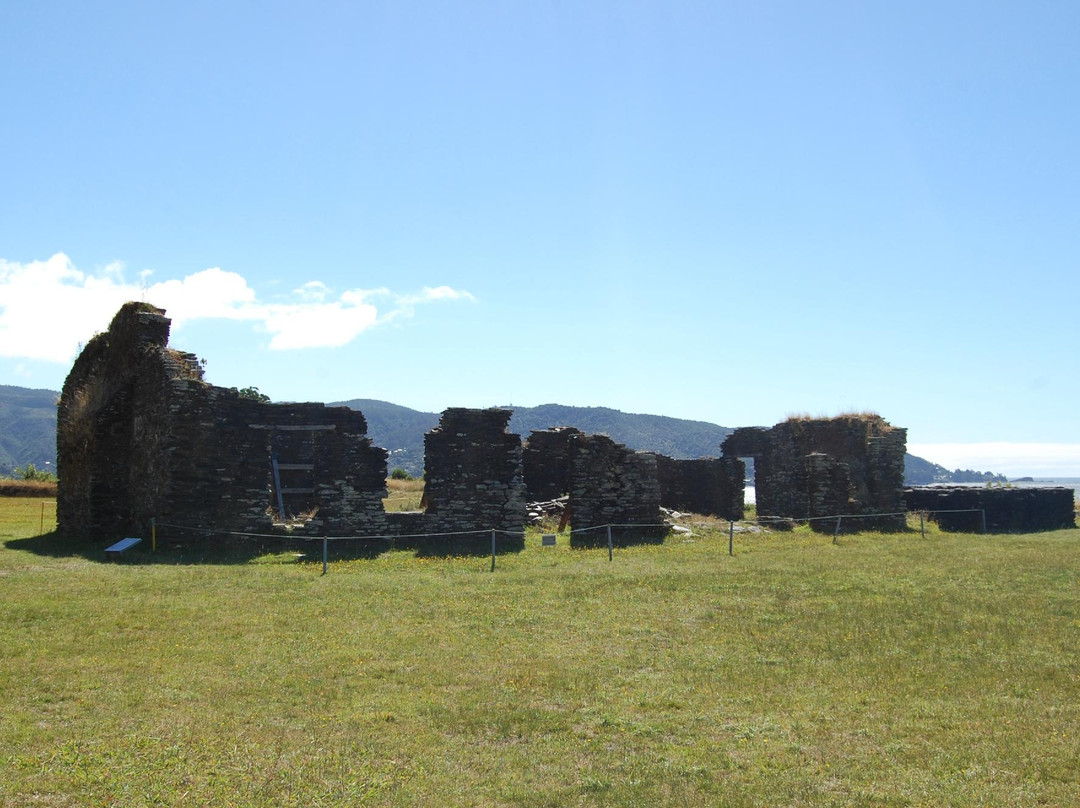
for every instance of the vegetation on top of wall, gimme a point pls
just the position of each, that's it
(803, 417)
(251, 393)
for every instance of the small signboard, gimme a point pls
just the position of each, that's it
(547, 539)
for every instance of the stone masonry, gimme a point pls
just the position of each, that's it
(808, 468)
(546, 459)
(708, 485)
(141, 435)
(473, 473)
(612, 485)
(960, 508)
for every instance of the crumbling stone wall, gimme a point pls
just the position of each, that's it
(707, 485)
(473, 473)
(140, 434)
(612, 485)
(805, 468)
(546, 460)
(1007, 509)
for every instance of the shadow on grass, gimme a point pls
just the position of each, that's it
(211, 550)
(451, 546)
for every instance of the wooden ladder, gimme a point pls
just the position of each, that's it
(280, 490)
(293, 488)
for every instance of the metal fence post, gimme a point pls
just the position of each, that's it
(983, 512)
(324, 555)
(493, 550)
(836, 532)
(731, 538)
(609, 551)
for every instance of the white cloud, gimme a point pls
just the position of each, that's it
(1010, 459)
(48, 307)
(405, 305)
(312, 291)
(209, 294)
(443, 293)
(328, 325)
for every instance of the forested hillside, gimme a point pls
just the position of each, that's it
(28, 433)
(27, 428)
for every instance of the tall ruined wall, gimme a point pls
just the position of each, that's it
(473, 473)
(707, 485)
(612, 485)
(1007, 509)
(824, 467)
(140, 435)
(106, 462)
(546, 461)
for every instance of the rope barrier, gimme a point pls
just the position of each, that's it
(493, 532)
(211, 531)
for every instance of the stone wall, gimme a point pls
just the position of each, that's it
(1007, 509)
(709, 485)
(546, 461)
(141, 435)
(809, 468)
(473, 473)
(611, 485)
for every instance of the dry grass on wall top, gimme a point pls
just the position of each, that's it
(803, 417)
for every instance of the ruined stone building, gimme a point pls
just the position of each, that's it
(962, 508)
(607, 484)
(140, 435)
(714, 486)
(546, 458)
(473, 480)
(806, 468)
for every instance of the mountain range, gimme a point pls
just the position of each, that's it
(28, 433)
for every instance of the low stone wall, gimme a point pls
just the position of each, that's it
(612, 485)
(709, 485)
(1007, 510)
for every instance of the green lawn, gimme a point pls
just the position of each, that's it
(885, 670)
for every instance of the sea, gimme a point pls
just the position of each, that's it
(1034, 482)
(1050, 482)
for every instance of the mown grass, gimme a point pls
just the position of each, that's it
(884, 670)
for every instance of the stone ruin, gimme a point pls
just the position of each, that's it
(473, 479)
(607, 484)
(141, 436)
(708, 485)
(809, 468)
(959, 508)
(546, 457)
(613, 485)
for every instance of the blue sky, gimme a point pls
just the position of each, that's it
(731, 212)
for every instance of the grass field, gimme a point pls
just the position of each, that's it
(884, 670)
(403, 495)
